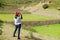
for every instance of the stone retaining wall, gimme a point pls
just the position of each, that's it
(33, 23)
(37, 23)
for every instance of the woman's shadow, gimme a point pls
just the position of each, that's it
(1, 23)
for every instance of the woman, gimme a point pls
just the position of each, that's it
(17, 22)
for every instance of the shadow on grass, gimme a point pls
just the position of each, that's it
(1, 23)
(29, 28)
(32, 37)
(31, 33)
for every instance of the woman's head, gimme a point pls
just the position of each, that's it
(17, 13)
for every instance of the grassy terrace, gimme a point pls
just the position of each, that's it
(52, 30)
(26, 17)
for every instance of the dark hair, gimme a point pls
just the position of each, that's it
(15, 17)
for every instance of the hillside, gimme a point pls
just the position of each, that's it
(54, 3)
(18, 2)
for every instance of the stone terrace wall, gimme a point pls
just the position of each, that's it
(37, 23)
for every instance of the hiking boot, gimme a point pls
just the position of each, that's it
(18, 37)
(14, 36)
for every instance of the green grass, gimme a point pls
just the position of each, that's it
(49, 30)
(26, 17)
(32, 17)
(52, 30)
(6, 17)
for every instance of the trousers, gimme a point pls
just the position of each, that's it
(17, 27)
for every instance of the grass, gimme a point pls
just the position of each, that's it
(49, 30)
(26, 17)
(19, 2)
(6, 17)
(27, 3)
(52, 30)
(55, 4)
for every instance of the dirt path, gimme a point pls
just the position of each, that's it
(25, 34)
(8, 33)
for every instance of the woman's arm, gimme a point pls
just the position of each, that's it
(21, 16)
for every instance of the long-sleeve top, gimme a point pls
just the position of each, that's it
(17, 20)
